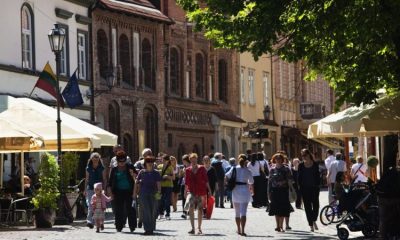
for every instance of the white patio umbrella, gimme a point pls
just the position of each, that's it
(76, 134)
(378, 119)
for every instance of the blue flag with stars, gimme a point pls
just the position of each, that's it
(72, 93)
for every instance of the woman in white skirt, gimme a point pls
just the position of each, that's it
(241, 194)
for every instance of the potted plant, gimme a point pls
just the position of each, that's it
(45, 198)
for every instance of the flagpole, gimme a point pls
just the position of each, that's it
(32, 90)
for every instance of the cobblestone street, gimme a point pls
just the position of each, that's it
(259, 226)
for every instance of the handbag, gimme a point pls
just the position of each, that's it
(232, 180)
(292, 192)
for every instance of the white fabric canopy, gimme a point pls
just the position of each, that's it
(76, 135)
(382, 118)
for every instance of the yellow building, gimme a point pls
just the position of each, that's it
(260, 131)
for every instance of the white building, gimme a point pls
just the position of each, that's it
(25, 50)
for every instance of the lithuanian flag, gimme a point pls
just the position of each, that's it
(47, 82)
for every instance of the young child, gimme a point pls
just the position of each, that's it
(99, 205)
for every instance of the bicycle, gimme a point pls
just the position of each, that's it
(79, 207)
(331, 213)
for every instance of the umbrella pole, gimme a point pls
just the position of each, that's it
(1, 169)
(22, 172)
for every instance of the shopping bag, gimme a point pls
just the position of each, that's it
(210, 206)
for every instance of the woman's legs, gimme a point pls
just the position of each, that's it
(174, 200)
(236, 206)
(307, 200)
(243, 213)
(89, 218)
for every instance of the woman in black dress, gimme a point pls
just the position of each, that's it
(309, 179)
(278, 191)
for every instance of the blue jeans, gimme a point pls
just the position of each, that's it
(165, 201)
(89, 194)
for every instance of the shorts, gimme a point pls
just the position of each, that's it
(193, 201)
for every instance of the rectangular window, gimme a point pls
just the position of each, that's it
(242, 86)
(26, 49)
(64, 56)
(187, 84)
(210, 87)
(82, 56)
(291, 81)
(252, 99)
(136, 55)
(266, 89)
(114, 47)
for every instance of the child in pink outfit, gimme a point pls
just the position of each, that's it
(99, 204)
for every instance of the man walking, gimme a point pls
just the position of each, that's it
(337, 166)
(220, 191)
(328, 162)
(197, 187)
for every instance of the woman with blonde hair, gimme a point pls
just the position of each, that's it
(241, 193)
(278, 191)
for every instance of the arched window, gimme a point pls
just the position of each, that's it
(175, 72)
(128, 145)
(222, 81)
(147, 63)
(151, 128)
(124, 59)
(102, 52)
(200, 78)
(27, 37)
(114, 119)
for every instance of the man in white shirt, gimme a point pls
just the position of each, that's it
(360, 170)
(328, 161)
(336, 166)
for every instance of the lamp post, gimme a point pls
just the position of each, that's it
(56, 39)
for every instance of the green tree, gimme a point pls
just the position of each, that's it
(354, 44)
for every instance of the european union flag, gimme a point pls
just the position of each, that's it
(72, 93)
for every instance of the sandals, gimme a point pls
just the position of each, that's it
(199, 232)
(279, 230)
(191, 231)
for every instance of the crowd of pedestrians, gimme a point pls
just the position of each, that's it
(143, 191)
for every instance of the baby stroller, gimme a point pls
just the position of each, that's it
(362, 212)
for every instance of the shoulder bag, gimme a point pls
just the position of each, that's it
(232, 180)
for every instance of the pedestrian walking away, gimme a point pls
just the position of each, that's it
(241, 193)
(328, 162)
(167, 174)
(309, 179)
(197, 187)
(220, 188)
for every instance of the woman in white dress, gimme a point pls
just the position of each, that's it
(241, 194)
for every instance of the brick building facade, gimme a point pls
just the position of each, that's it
(202, 89)
(171, 90)
(128, 50)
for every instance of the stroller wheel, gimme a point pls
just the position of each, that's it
(343, 233)
(369, 230)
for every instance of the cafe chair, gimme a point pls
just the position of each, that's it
(19, 209)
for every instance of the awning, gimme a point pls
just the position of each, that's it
(324, 142)
(382, 118)
(40, 119)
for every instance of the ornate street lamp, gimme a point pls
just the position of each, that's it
(266, 112)
(56, 39)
